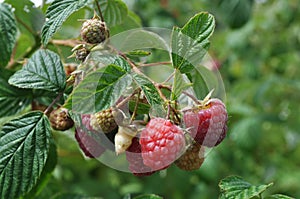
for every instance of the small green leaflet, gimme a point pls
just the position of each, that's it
(56, 14)
(100, 89)
(8, 33)
(12, 99)
(25, 143)
(190, 43)
(279, 196)
(179, 85)
(148, 196)
(43, 70)
(114, 11)
(148, 89)
(234, 187)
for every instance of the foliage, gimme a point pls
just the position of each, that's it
(260, 74)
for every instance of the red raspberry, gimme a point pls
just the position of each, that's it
(84, 135)
(208, 123)
(85, 120)
(162, 143)
(88, 144)
(135, 160)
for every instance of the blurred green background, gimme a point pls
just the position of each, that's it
(257, 47)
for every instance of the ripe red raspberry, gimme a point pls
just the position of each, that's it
(86, 122)
(135, 160)
(89, 145)
(162, 143)
(192, 159)
(207, 123)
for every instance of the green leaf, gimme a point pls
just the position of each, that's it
(8, 33)
(234, 187)
(148, 196)
(26, 11)
(190, 44)
(141, 109)
(25, 143)
(43, 70)
(73, 196)
(179, 85)
(100, 89)
(148, 89)
(56, 14)
(132, 21)
(12, 100)
(200, 27)
(114, 11)
(46, 173)
(199, 84)
(279, 196)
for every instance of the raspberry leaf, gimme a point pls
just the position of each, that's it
(43, 70)
(279, 196)
(46, 173)
(8, 33)
(190, 43)
(204, 81)
(25, 143)
(179, 85)
(100, 89)
(148, 196)
(56, 14)
(12, 99)
(114, 11)
(234, 187)
(148, 89)
(35, 20)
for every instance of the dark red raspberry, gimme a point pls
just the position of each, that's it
(192, 159)
(89, 145)
(207, 123)
(162, 143)
(85, 120)
(135, 160)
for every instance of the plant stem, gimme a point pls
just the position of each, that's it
(70, 42)
(99, 10)
(53, 102)
(155, 64)
(135, 107)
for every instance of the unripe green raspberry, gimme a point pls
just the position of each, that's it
(94, 31)
(104, 121)
(60, 119)
(82, 53)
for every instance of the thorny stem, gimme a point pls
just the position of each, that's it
(168, 110)
(70, 42)
(53, 102)
(124, 101)
(99, 10)
(184, 92)
(135, 107)
(155, 64)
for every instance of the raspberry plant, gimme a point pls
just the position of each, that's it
(105, 98)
